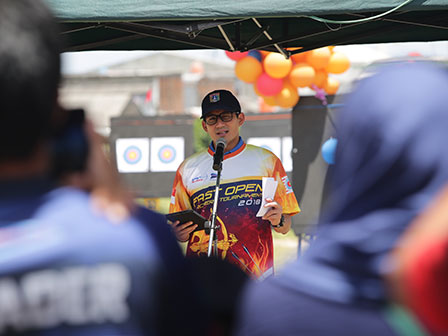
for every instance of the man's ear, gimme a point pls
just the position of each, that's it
(59, 116)
(204, 126)
(241, 119)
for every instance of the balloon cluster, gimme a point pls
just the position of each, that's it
(278, 80)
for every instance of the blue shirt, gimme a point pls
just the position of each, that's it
(67, 270)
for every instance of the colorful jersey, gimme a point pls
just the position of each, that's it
(243, 238)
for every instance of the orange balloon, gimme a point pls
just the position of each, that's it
(248, 69)
(299, 58)
(271, 101)
(276, 65)
(288, 97)
(320, 79)
(319, 58)
(302, 75)
(338, 63)
(264, 53)
(263, 107)
(331, 86)
(286, 81)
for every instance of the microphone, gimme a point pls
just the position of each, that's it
(219, 153)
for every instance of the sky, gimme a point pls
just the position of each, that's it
(81, 62)
(85, 61)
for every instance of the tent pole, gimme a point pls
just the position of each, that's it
(280, 50)
(232, 48)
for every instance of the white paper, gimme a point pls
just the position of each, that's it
(269, 185)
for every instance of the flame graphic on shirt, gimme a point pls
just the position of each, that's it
(199, 240)
(260, 263)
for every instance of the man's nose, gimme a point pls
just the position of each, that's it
(219, 122)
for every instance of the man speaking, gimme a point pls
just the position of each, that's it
(242, 238)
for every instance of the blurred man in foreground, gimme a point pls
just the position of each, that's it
(71, 262)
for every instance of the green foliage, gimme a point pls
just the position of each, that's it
(200, 137)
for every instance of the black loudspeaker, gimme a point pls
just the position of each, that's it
(312, 125)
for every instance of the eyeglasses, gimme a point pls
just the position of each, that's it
(224, 116)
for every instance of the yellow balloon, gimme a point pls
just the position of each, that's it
(288, 96)
(276, 65)
(319, 58)
(302, 75)
(270, 101)
(248, 69)
(338, 63)
(320, 79)
(331, 86)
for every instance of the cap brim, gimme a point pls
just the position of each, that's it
(224, 108)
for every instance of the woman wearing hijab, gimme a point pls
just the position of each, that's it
(390, 162)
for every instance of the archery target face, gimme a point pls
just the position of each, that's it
(167, 153)
(132, 155)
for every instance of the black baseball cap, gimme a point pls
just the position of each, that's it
(220, 100)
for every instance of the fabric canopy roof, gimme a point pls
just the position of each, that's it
(242, 25)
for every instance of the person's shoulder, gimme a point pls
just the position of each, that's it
(199, 154)
(67, 224)
(150, 216)
(156, 225)
(72, 207)
(65, 197)
(252, 149)
(195, 158)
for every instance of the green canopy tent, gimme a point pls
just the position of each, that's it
(273, 25)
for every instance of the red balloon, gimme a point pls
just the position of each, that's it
(236, 55)
(269, 86)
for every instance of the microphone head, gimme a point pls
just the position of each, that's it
(221, 142)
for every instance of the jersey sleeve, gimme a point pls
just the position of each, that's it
(180, 199)
(284, 194)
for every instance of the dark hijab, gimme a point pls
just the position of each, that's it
(392, 158)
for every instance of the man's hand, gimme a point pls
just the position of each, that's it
(183, 231)
(109, 196)
(274, 215)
